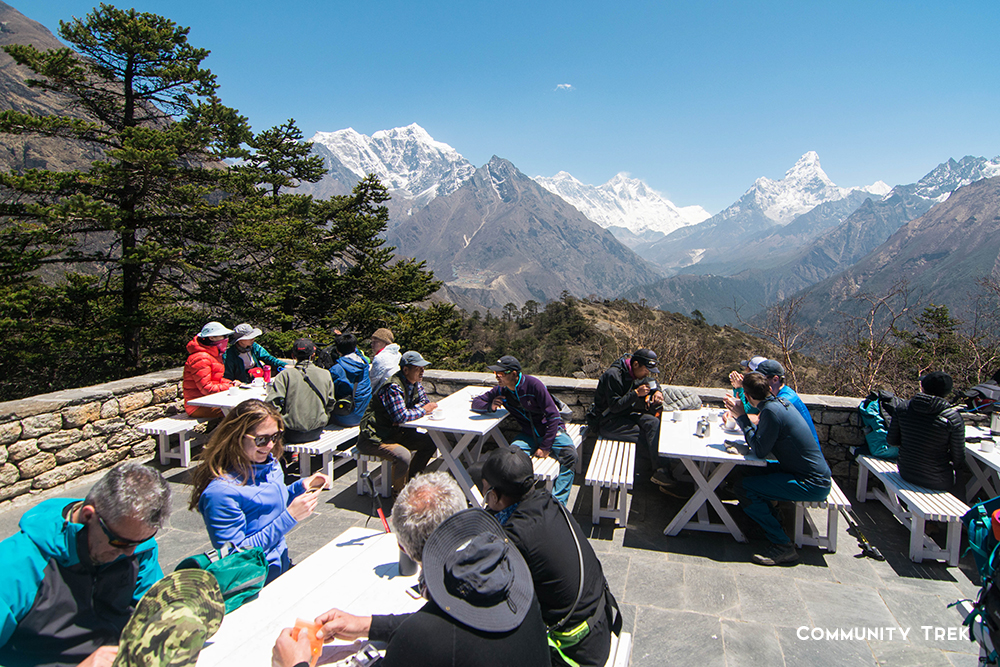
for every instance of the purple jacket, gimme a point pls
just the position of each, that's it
(532, 406)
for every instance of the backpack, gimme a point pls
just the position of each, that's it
(877, 411)
(241, 573)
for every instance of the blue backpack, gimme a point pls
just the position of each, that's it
(877, 410)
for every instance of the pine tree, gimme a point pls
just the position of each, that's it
(130, 233)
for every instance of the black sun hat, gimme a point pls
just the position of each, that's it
(475, 574)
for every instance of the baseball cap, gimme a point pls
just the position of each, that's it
(214, 329)
(752, 363)
(770, 367)
(245, 332)
(506, 363)
(508, 469)
(475, 574)
(172, 621)
(647, 358)
(303, 348)
(413, 358)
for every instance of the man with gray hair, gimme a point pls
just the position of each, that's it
(71, 578)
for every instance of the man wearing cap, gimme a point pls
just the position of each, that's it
(204, 369)
(543, 433)
(385, 358)
(930, 434)
(401, 399)
(775, 374)
(481, 608)
(801, 471)
(71, 578)
(625, 402)
(245, 353)
(577, 605)
(302, 394)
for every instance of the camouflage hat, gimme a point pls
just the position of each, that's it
(172, 621)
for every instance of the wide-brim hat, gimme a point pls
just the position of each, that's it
(172, 621)
(475, 574)
(214, 329)
(245, 332)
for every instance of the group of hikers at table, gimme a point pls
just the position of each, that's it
(77, 569)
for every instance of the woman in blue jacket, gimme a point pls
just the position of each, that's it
(239, 487)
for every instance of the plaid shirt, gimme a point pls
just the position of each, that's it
(395, 402)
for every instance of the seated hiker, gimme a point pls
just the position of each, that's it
(350, 378)
(73, 575)
(930, 435)
(244, 354)
(385, 358)
(481, 608)
(801, 472)
(204, 369)
(401, 399)
(543, 433)
(736, 380)
(302, 394)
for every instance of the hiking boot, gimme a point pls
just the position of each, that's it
(676, 490)
(662, 478)
(777, 554)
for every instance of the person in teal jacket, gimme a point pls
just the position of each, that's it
(71, 578)
(243, 354)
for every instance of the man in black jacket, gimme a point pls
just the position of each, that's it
(481, 608)
(577, 605)
(930, 435)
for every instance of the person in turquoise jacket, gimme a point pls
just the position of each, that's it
(243, 354)
(240, 489)
(71, 578)
(350, 378)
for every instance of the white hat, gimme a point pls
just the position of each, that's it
(245, 332)
(752, 364)
(214, 329)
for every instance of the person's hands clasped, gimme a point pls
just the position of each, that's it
(736, 379)
(642, 390)
(542, 453)
(734, 405)
(287, 652)
(303, 505)
(339, 624)
(102, 657)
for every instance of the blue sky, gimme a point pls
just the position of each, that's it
(697, 99)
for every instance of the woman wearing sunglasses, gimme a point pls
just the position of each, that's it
(239, 487)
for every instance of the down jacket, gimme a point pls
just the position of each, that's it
(930, 435)
(203, 372)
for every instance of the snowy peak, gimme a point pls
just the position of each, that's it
(804, 187)
(951, 175)
(406, 159)
(623, 202)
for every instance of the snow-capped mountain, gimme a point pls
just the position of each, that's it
(406, 159)
(951, 175)
(804, 187)
(623, 202)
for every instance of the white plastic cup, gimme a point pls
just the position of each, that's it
(438, 413)
(731, 424)
(677, 415)
(986, 446)
(713, 417)
(233, 390)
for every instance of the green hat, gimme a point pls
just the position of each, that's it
(172, 621)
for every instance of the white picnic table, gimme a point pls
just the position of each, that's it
(358, 572)
(708, 462)
(468, 428)
(230, 398)
(985, 466)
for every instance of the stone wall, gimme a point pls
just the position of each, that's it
(48, 440)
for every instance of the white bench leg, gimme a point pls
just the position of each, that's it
(184, 443)
(916, 537)
(305, 465)
(362, 468)
(832, 521)
(621, 516)
(800, 511)
(385, 479)
(595, 513)
(164, 441)
(328, 464)
(862, 491)
(954, 542)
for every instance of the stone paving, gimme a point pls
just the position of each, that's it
(695, 599)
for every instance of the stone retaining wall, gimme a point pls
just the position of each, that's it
(48, 440)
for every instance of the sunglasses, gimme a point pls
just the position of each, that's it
(116, 540)
(265, 440)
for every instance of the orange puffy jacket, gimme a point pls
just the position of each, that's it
(203, 372)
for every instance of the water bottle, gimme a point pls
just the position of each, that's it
(267, 374)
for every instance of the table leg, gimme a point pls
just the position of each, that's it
(705, 493)
(454, 465)
(980, 479)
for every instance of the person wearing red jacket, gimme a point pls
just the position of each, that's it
(204, 368)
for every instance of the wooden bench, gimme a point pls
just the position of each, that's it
(814, 537)
(548, 469)
(333, 446)
(621, 650)
(383, 470)
(165, 427)
(914, 506)
(611, 468)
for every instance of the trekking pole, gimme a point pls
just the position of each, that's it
(376, 499)
(867, 548)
